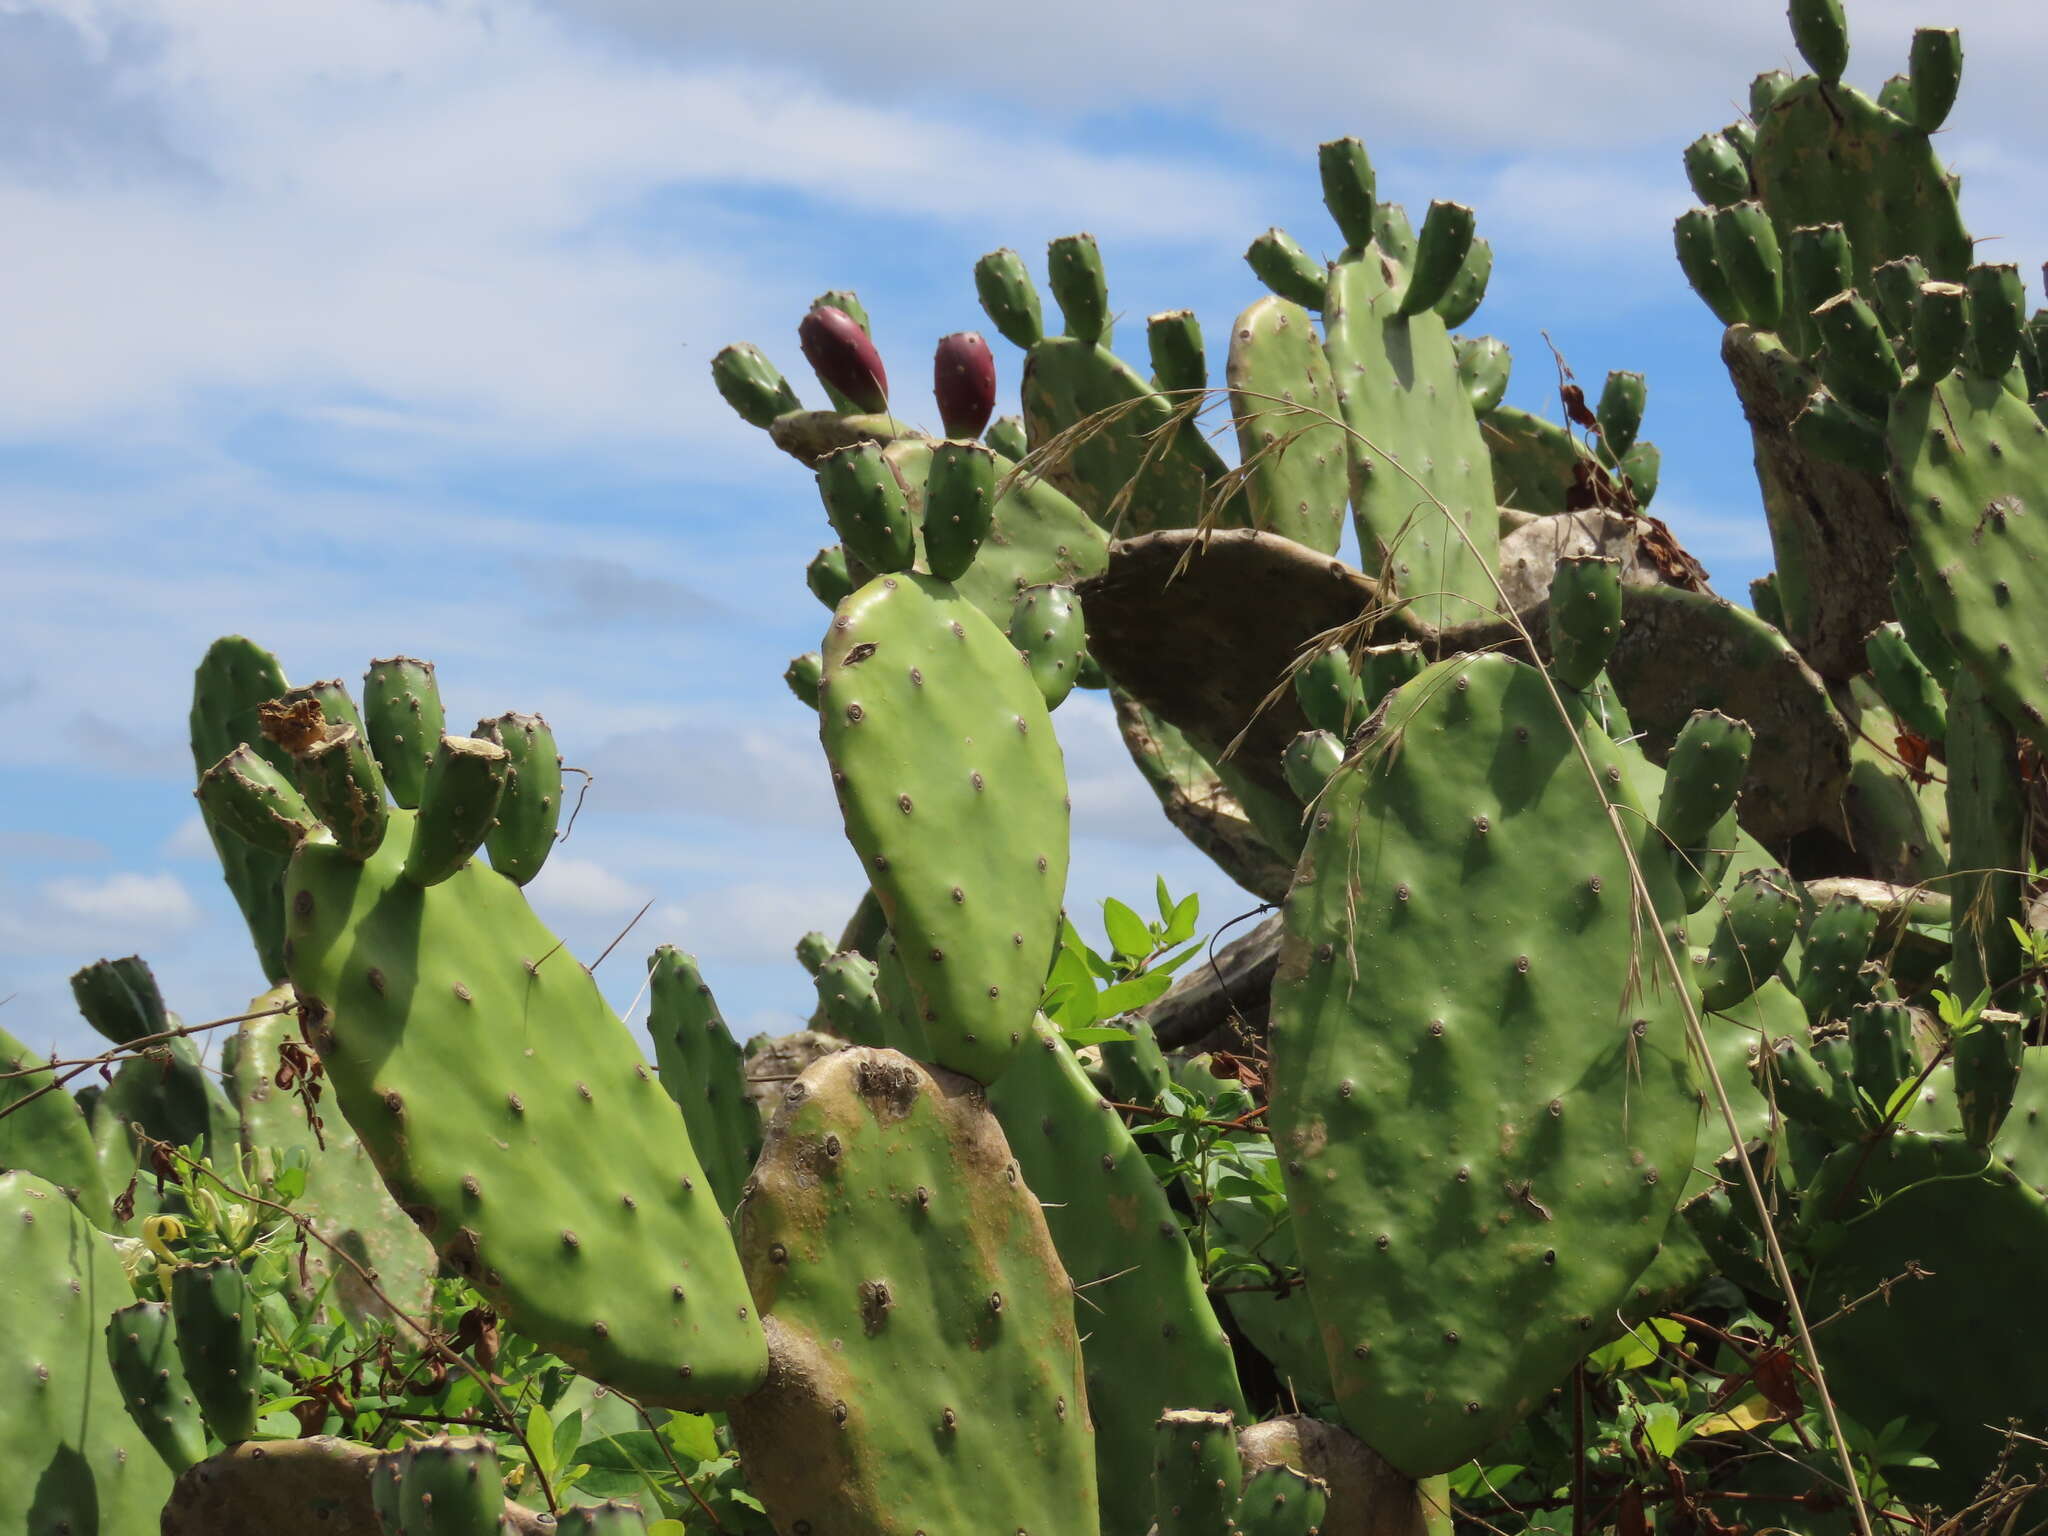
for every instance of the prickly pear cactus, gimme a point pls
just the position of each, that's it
(1290, 437)
(1421, 478)
(954, 793)
(1968, 463)
(487, 1076)
(142, 1349)
(925, 1372)
(702, 1068)
(1153, 1341)
(49, 1135)
(74, 1460)
(235, 677)
(1480, 1079)
(1980, 1232)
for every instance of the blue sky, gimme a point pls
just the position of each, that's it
(366, 326)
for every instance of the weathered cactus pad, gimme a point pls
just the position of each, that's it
(926, 1374)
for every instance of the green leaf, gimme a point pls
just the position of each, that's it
(1126, 930)
(1094, 1035)
(1126, 996)
(1180, 927)
(1661, 1427)
(1164, 900)
(693, 1436)
(1166, 965)
(568, 1435)
(540, 1440)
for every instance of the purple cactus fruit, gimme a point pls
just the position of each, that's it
(964, 383)
(844, 358)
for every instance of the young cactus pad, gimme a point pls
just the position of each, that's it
(955, 794)
(926, 1373)
(1480, 1081)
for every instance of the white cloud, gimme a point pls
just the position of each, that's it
(753, 922)
(189, 841)
(362, 167)
(584, 888)
(159, 902)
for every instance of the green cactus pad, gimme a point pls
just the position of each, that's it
(217, 1323)
(1756, 924)
(1115, 468)
(167, 1093)
(751, 385)
(954, 793)
(1422, 490)
(403, 716)
(449, 1486)
(486, 1075)
(1279, 1501)
(1747, 249)
(802, 675)
(1331, 692)
(1196, 1473)
(1309, 761)
(866, 500)
(1047, 629)
(613, 1517)
(119, 998)
(1074, 272)
(1982, 1235)
(234, 678)
(848, 1000)
(1585, 618)
(142, 1352)
(1037, 537)
(74, 1460)
(1908, 688)
(531, 806)
(1828, 154)
(1152, 1339)
(1290, 437)
(1702, 775)
(1010, 297)
(703, 1070)
(1987, 822)
(1535, 461)
(926, 1372)
(1287, 269)
(1968, 462)
(1468, 289)
(1440, 253)
(245, 796)
(826, 576)
(49, 1136)
(1463, 1238)
(1180, 364)
(959, 506)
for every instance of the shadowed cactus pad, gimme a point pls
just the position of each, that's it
(1480, 1083)
(73, 1460)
